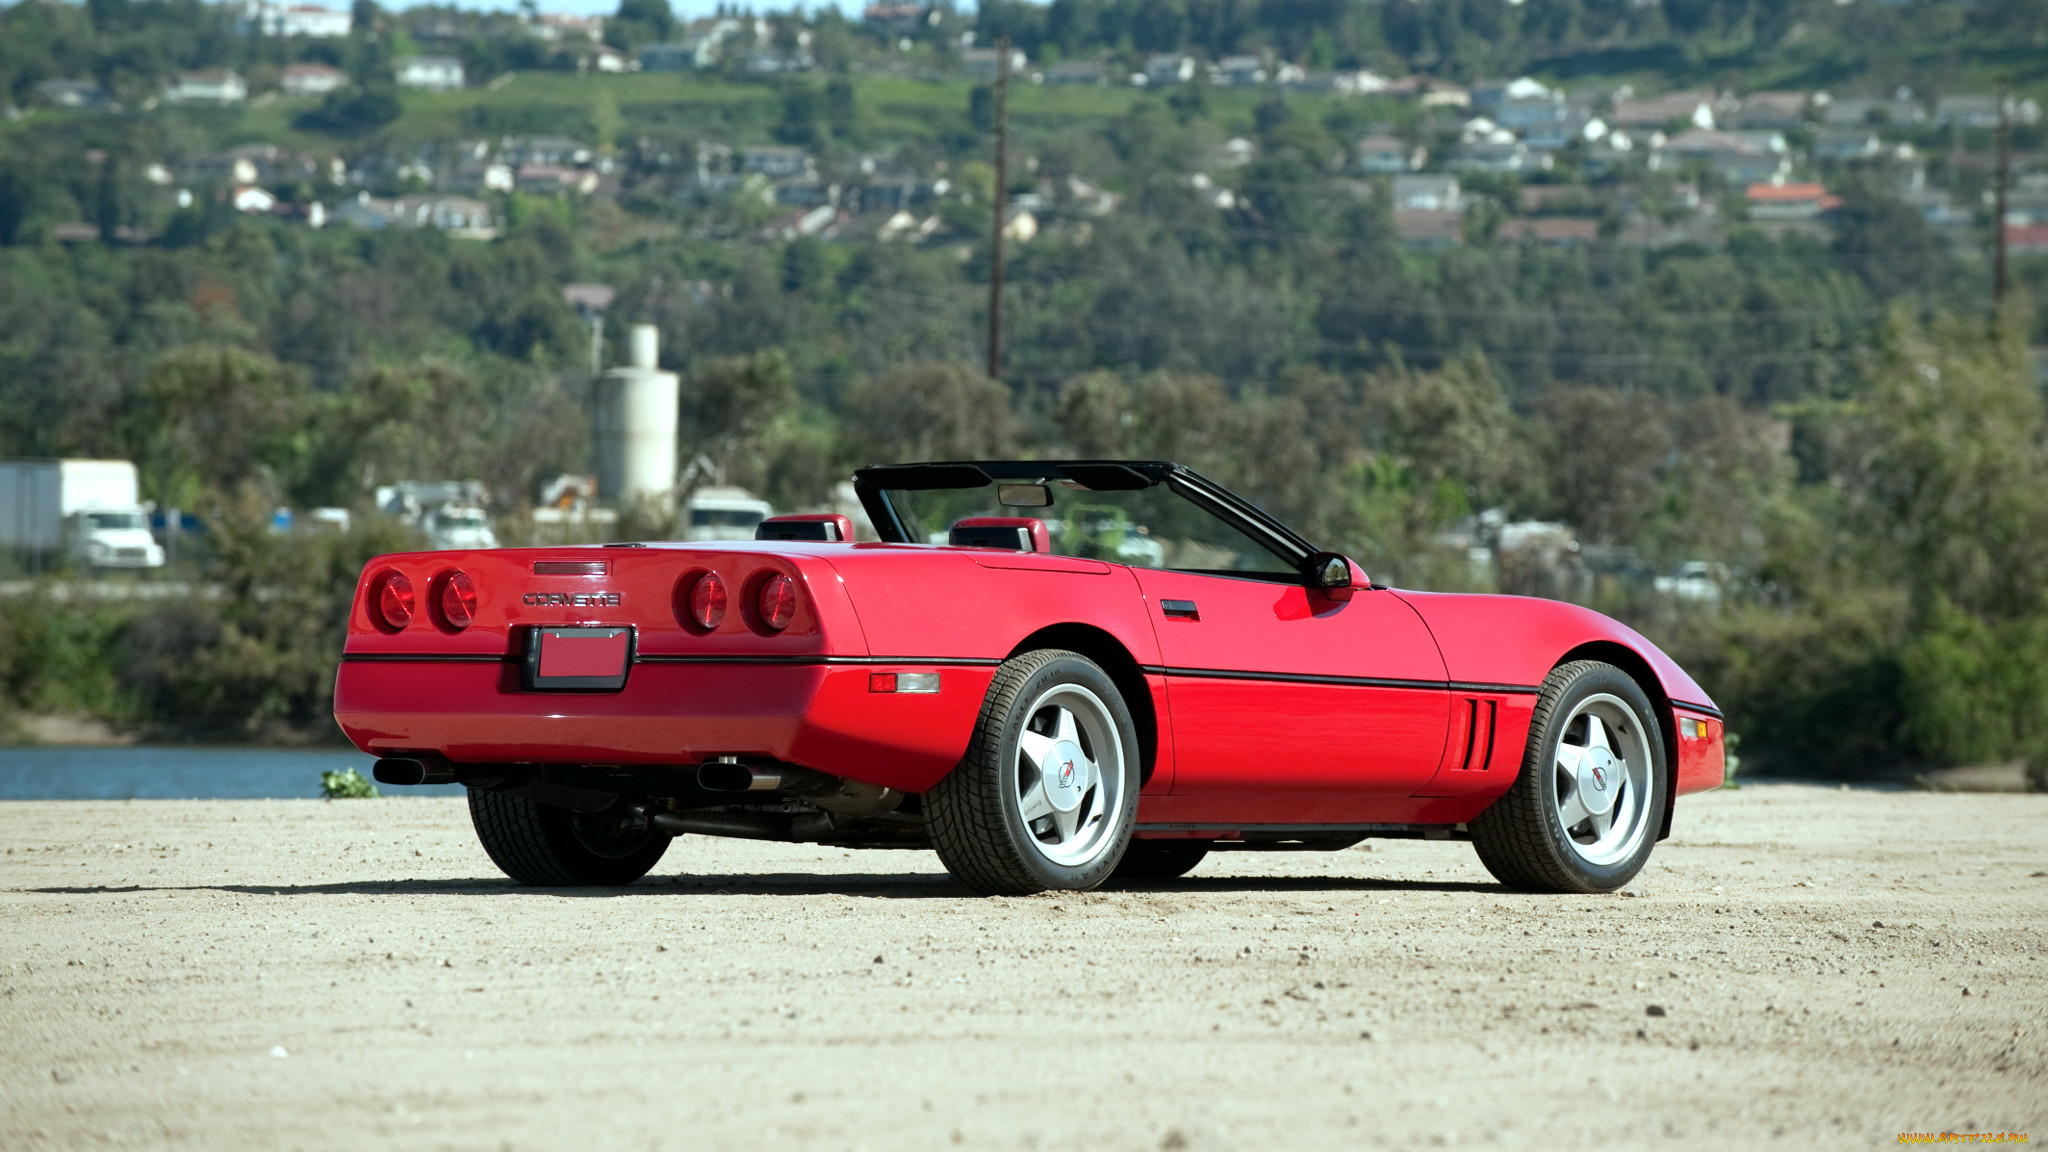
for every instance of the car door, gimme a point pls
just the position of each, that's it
(1291, 706)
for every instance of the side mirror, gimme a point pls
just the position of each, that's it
(1331, 573)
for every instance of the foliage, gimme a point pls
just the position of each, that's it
(346, 784)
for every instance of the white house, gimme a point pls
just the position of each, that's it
(437, 73)
(1169, 68)
(208, 86)
(312, 79)
(1427, 193)
(302, 20)
(984, 63)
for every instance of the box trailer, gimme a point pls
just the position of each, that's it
(89, 509)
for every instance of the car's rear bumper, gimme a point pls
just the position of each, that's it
(819, 714)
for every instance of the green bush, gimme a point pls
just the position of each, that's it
(347, 784)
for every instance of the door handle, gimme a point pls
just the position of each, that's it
(1181, 609)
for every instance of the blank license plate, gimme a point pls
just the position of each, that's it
(590, 659)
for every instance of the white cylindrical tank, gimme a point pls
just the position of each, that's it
(636, 427)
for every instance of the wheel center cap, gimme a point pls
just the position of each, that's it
(1066, 775)
(1599, 780)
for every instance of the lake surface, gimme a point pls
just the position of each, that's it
(183, 772)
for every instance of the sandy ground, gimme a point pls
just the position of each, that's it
(1800, 966)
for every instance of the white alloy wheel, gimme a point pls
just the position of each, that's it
(1603, 792)
(1068, 775)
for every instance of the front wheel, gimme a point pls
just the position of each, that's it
(1048, 790)
(1583, 814)
(551, 847)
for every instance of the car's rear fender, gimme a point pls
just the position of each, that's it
(1139, 690)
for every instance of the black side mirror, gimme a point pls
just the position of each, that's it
(1330, 572)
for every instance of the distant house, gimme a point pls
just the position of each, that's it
(984, 64)
(1510, 155)
(1691, 107)
(72, 94)
(435, 73)
(1857, 112)
(1347, 82)
(208, 86)
(1576, 126)
(1490, 94)
(1429, 92)
(1074, 72)
(1846, 144)
(1418, 192)
(678, 57)
(779, 163)
(1387, 155)
(1771, 110)
(2026, 239)
(311, 79)
(1168, 68)
(552, 178)
(898, 19)
(1419, 228)
(555, 26)
(307, 20)
(1789, 201)
(1982, 111)
(1521, 115)
(554, 151)
(456, 215)
(252, 200)
(1738, 158)
(1239, 71)
(1552, 231)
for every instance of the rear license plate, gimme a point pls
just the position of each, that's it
(586, 659)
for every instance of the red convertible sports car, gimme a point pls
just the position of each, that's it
(1053, 673)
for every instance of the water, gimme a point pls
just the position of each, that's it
(46, 772)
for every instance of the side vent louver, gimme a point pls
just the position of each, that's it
(1480, 717)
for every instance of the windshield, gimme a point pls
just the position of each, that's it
(103, 521)
(461, 522)
(1148, 528)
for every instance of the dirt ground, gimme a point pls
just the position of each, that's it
(1799, 966)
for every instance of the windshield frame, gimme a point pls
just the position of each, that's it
(872, 483)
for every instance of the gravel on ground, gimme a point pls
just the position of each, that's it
(1821, 966)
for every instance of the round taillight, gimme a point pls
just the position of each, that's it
(458, 600)
(777, 601)
(707, 602)
(394, 601)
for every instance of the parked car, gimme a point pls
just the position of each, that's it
(1694, 580)
(1044, 720)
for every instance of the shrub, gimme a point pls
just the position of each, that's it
(347, 784)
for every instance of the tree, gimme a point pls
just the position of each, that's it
(927, 411)
(731, 400)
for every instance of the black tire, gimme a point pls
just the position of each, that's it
(550, 847)
(1160, 859)
(1522, 838)
(975, 814)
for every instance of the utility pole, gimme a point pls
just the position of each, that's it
(1001, 209)
(2003, 177)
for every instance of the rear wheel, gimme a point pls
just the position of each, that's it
(1161, 859)
(1583, 814)
(551, 847)
(1048, 790)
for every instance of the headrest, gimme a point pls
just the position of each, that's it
(1016, 533)
(827, 526)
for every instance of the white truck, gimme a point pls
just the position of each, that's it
(87, 509)
(723, 513)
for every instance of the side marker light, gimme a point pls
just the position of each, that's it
(919, 682)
